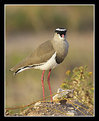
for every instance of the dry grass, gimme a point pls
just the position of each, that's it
(62, 107)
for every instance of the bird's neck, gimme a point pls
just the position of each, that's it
(60, 46)
(61, 49)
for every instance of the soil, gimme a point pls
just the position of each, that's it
(57, 109)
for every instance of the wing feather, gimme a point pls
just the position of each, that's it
(39, 55)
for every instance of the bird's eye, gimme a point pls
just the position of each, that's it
(61, 35)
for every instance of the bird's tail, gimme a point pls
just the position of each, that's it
(20, 69)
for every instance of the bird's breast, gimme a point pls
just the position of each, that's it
(61, 52)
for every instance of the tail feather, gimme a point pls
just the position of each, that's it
(20, 70)
(23, 68)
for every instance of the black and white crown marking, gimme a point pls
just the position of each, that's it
(61, 31)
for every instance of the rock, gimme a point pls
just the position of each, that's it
(70, 113)
(63, 93)
(7, 113)
(37, 105)
(70, 108)
(62, 102)
(73, 111)
(56, 97)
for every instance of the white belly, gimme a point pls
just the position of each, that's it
(50, 64)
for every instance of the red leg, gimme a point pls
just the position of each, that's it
(48, 79)
(42, 80)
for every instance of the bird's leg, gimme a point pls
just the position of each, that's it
(48, 79)
(42, 80)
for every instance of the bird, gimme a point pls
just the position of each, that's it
(46, 56)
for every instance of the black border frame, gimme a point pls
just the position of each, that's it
(2, 3)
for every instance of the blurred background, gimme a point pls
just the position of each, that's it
(26, 27)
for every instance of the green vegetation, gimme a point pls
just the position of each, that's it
(37, 18)
(79, 80)
(82, 82)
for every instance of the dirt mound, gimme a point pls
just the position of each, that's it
(62, 108)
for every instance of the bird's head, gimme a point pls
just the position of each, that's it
(60, 33)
